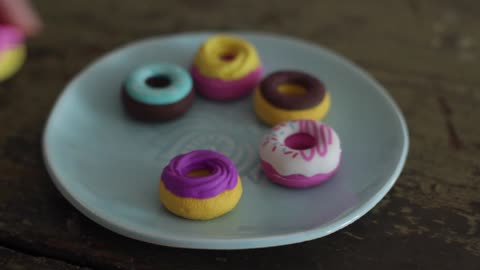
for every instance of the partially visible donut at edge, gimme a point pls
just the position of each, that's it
(12, 50)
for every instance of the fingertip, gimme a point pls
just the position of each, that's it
(21, 14)
(33, 28)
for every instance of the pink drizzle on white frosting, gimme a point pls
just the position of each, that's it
(319, 149)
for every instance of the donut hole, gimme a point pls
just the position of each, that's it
(199, 173)
(300, 141)
(290, 89)
(228, 56)
(158, 81)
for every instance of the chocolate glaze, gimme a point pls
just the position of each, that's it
(314, 90)
(151, 113)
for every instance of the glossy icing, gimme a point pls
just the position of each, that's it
(323, 157)
(179, 86)
(223, 174)
(226, 58)
(313, 90)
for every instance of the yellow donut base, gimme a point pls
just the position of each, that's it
(201, 209)
(11, 60)
(272, 115)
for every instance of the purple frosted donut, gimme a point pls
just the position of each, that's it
(202, 184)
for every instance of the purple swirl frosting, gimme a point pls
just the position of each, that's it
(223, 174)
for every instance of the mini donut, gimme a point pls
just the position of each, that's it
(288, 95)
(226, 68)
(12, 51)
(157, 92)
(300, 153)
(200, 185)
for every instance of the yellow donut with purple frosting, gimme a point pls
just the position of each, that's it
(200, 185)
(12, 51)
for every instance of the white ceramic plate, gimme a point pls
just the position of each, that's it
(108, 166)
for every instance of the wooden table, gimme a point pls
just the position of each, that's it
(426, 53)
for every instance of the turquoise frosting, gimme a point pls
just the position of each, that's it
(180, 86)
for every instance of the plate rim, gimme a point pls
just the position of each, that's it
(233, 243)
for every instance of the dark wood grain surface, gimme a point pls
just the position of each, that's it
(425, 52)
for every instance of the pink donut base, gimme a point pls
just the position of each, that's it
(10, 37)
(295, 180)
(225, 90)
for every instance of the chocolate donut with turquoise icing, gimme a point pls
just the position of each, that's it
(157, 92)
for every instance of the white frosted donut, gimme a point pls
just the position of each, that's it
(300, 153)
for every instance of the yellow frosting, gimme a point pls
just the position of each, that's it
(11, 60)
(273, 115)
(210, 63)
(201, 209)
